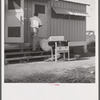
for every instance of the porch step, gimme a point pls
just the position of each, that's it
(25, 59)
(25, 54)
(17, 49)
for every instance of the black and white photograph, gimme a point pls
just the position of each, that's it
(50, 41)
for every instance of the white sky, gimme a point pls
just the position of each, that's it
(90, 24)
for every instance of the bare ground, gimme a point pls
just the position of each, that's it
(74, 71)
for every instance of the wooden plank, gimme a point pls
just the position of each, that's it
(65, 32)
(77, 43)
(55, 26)
(59, 4)
(48, 19)
(78, 35)
(29, 15)
(79, 7)
(62, 4)
(67, 29)
(25, 20)
(71, 5)
(56, 38)
(62, 48)
(75, 6)
(52, 27)
(72, 30)
(76, 30)
(84, 30)
(67, 5)
(84, 7)
(28, 52)
(62, 27)
(83, 25)
(29, 57)
(81, 31)
(52, 2)
(59, 27)
(18, 48)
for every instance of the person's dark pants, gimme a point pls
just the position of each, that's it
(33, 41)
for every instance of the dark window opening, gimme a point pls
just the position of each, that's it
(73, 17)
(40, 9)
(14, 4)
(60, 16)
(14, 32)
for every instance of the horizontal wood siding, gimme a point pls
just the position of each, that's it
(73, 30)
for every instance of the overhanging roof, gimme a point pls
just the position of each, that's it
(87, 2)
(69, 11)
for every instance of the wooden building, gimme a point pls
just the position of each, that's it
(59, 17)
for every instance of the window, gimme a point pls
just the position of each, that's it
(13, 31)
(77, 17)
(14, 4)
(40, 8)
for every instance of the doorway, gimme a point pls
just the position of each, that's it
(41, 9)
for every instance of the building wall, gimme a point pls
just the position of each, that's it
(73, 30)
(27, 14)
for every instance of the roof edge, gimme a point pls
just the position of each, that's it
(77, 1)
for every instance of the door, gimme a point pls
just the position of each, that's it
(14, 21)
(41, 9)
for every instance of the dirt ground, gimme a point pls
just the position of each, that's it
(14, 72)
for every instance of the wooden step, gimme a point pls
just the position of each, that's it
(26, 58)
(29, 57)
(19, 49)
(28, 52)
(17, 55)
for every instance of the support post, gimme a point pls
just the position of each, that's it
(64, 56)
(68, 52)
(52, 54)
(55, 51)
(85, 48)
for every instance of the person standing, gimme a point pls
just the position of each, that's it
(35, 24)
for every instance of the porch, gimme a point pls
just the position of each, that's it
(20, 53)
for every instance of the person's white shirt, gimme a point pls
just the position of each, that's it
(35, 22)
